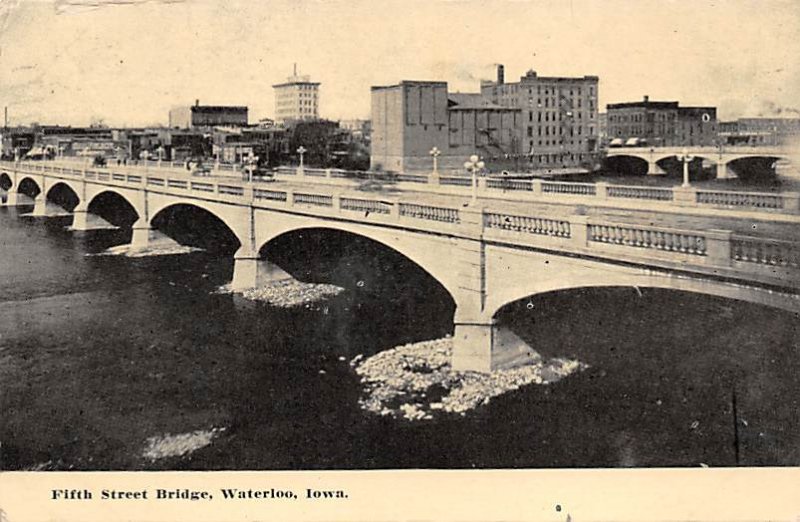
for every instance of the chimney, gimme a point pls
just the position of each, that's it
(197, 103)
(294, 72)
(501, 74)
(646, 98)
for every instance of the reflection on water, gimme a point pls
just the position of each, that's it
(101, 354)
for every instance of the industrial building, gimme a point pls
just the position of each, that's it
(560, 125)
(411, 118)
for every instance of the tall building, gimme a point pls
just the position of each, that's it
(560, 125)
(296, 99)
(411, 118)
(661, 124)
(206, 116)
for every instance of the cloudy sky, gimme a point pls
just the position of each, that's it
(128, 61)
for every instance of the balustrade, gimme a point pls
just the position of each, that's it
(320, 200)
(739, 199)
(272, 195)
(365, 205)
(645, 237)
(632, 192)
(765, 251)
(562, 187)
(446, 215)
(230, 190)
(509, 184)
(528, 224)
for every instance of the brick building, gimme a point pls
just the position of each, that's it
(559, 117)
(412, 117)
(207, 116)
(759, 131)
(661, 123)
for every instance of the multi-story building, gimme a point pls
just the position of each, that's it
(296, 99)
(759, 131)
(207, 116)
(560, 124)
(411, 118)
(661, 123)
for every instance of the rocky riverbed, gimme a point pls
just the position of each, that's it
(289, 293)
(416, 382)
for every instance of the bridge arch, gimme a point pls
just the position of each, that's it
(5, 181)
(196, 225)
(424, 252)
(113, 206)
(63, 194)
(597, 277)
(29, 186)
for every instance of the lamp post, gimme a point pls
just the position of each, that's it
(160, 151)
(301, 150)
(251, 165)
(686, 159)
(435, 153)
(474, 165)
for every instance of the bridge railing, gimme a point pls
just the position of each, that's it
(714, 252)
(599, 193)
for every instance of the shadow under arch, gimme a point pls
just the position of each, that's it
(63, 195)
(114, 208)
(5, 181)
(386, 290)
(195, 226)
(626, 165)
(29, 187)
(758, 169)
(587, 317)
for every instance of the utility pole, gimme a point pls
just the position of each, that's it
(735, 425)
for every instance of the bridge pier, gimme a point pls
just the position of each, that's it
(723, 172)
(250, 271)
(654, 170)
(16, 199)
(486, 346)
(83, 220)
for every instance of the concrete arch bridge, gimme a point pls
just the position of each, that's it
(486, 256)
(722, 157)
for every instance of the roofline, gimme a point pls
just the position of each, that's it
(287, 84)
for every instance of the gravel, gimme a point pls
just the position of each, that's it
(289, 293)
(415, 381)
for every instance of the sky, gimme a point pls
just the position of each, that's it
(127, 62)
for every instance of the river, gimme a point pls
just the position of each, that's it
(100, 353)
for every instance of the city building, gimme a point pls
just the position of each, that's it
(296, 99)
(15, 142)
(760, 131)
(236, 144)
(207, 116)
(411, 118)
(560, 124)
(660, 124)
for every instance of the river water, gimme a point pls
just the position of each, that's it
(100, 353)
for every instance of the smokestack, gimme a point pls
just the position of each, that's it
(501, 74)
(295, 69)
(5, 120)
